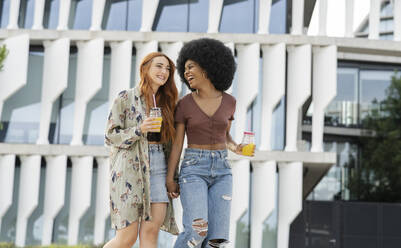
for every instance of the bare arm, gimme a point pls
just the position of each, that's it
(231, 145)
(174, 159)
(234, 147)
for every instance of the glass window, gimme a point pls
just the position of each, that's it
(8, 224)
(333, 184)
(278, 126)
(269, 238)
(26, 12)
(134, 15)
(373, 90)
(278, 15)
(87, 222)
(65, 119)
(97, 110)
(80, 14)
(238, 16)
(242, 238)
(50, 19)
(115, 15)
(343, 110)
(21, 112)
(249, 126)
(60, 225)
(386, 25)
(34, 228)
(387, 37)
(198, 17)
(387, 9)
(4, 12)
(365, 28)
(171, 16)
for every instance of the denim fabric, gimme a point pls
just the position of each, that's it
(158, 172)
(205, 191)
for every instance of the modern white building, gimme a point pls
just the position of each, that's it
(69, 58)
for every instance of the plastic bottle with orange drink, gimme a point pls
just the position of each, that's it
(156, 114)
(249, 141)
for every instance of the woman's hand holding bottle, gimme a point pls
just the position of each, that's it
(150, 124)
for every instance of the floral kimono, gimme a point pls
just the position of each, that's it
(129, 163)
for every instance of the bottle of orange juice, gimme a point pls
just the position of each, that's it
(249, 141)
(156, 114)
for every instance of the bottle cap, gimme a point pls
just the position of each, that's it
(249, 133)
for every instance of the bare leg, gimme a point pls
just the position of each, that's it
(149, 230)
(125, 238)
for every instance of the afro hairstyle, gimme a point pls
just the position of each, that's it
(213, 57)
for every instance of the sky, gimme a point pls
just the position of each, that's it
(336, 16)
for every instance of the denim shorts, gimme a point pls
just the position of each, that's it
(158, 173)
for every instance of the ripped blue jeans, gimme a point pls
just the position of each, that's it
(205, 191)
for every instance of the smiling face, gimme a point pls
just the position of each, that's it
(193, 74)
(159, 71)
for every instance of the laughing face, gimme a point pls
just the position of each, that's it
(193, 74)
(159, 71)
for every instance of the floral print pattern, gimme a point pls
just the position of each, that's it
(129, 163)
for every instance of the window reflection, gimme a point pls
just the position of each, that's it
(359, 93)
(21, 112)
(8, 224)
(50, 19)
(333, 184)
(198, 21)
(343, 110)
(97, 110)
(386, 25)
(80, 14)
(26, 11)
(172, 16)
(115, 15)
(238, 16)
(122, 15)
(134, 15)
(278, 15)
(65, 121)
(4, 12)
(387, 9)
(387, 37)
(373, 91)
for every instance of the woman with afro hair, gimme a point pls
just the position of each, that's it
(207, 67)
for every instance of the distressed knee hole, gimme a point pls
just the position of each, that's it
(193, 242)
(226, 197)
(218, 243)
(200, 226)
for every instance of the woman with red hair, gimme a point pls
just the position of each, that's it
(138, 196)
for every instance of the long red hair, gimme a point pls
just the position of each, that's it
(166, 95)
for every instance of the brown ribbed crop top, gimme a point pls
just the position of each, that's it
(202, 129)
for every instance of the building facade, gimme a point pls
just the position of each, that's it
(69, 58)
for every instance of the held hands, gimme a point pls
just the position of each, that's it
(150, 124)
(173, 189)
